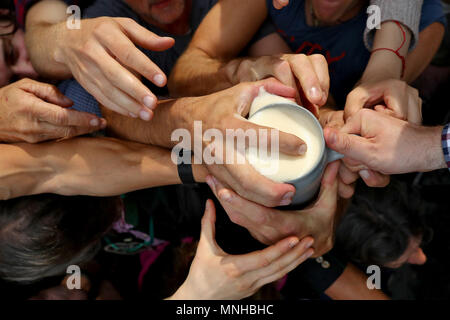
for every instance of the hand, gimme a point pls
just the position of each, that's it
(32, 111)
(350, 171)
(280, 4)
(270, 225)
(226, 110)
(100, 55)
(216, 275)
(308, 74)
(387, 144)
(392, 97)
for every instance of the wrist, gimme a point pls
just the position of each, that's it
(432, 149)
(61, 35)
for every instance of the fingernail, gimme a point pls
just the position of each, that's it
(308, 254)
(145, 115)
(364, 174)
(293, 242)
(287, 199)
(159, 80)
(225, 196)
(332, 137)
(150, 102)
(302, 150)
(324, 97)
(132, 115)
(309, 243)
(315, 94)
(210, 183)
(94, 122)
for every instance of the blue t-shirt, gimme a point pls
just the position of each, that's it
(342, 45)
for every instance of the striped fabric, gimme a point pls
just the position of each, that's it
(446, 143)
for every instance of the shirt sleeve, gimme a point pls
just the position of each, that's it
(407, 12)
(446, 144)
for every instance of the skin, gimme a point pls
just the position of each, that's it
(231, 107)
(269, 225)
(83, 166)
(32, 111)
(216, 275)
(387, 144)
(14, 60)
(102, 55)
(352, 284)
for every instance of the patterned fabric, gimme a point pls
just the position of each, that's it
(446, 143)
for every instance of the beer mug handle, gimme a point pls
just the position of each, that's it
(333, 155)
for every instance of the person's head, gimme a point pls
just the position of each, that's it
(14, 60)
(384, 227)
(40, 236)
(164, 12)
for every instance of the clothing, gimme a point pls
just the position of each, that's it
(407, 12)
(342, 45)
(446, 143)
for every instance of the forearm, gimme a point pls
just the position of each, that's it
(46, 25)
(86, 166)
(201, 69)
(197, 74)
(418, 60)
(384, 64)
(169, 116)
(352, 285)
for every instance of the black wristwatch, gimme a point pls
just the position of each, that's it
(185, 169)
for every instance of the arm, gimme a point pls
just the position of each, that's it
(99, 56)
(352, 285)
(387, 144)
(85, 166)
(220, 37)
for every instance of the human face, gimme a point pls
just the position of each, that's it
(330, 12)
(163, 12)
(14, 60)
(412, 255)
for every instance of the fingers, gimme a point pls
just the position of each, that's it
(58, 116)
(261, 259)
(274, 86)
(415, 109)
(329, 189)
(46, 92)
(208, 222)
(356, 100)
(145, 38)
(273, 139)
(351, 146)
(279, 267)
(280, 4)
(309, 80)
(374, 179)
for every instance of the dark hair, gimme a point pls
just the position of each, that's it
(379, 223)
(40, 236)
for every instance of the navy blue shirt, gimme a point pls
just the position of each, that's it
(342, 45)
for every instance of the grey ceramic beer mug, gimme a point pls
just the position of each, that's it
(308, 185)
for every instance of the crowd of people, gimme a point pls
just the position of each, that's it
(91, 92)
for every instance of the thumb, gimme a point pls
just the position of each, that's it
(329, 190)
(208, 233)
(350, 145)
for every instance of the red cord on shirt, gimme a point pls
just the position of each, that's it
(397, 51)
